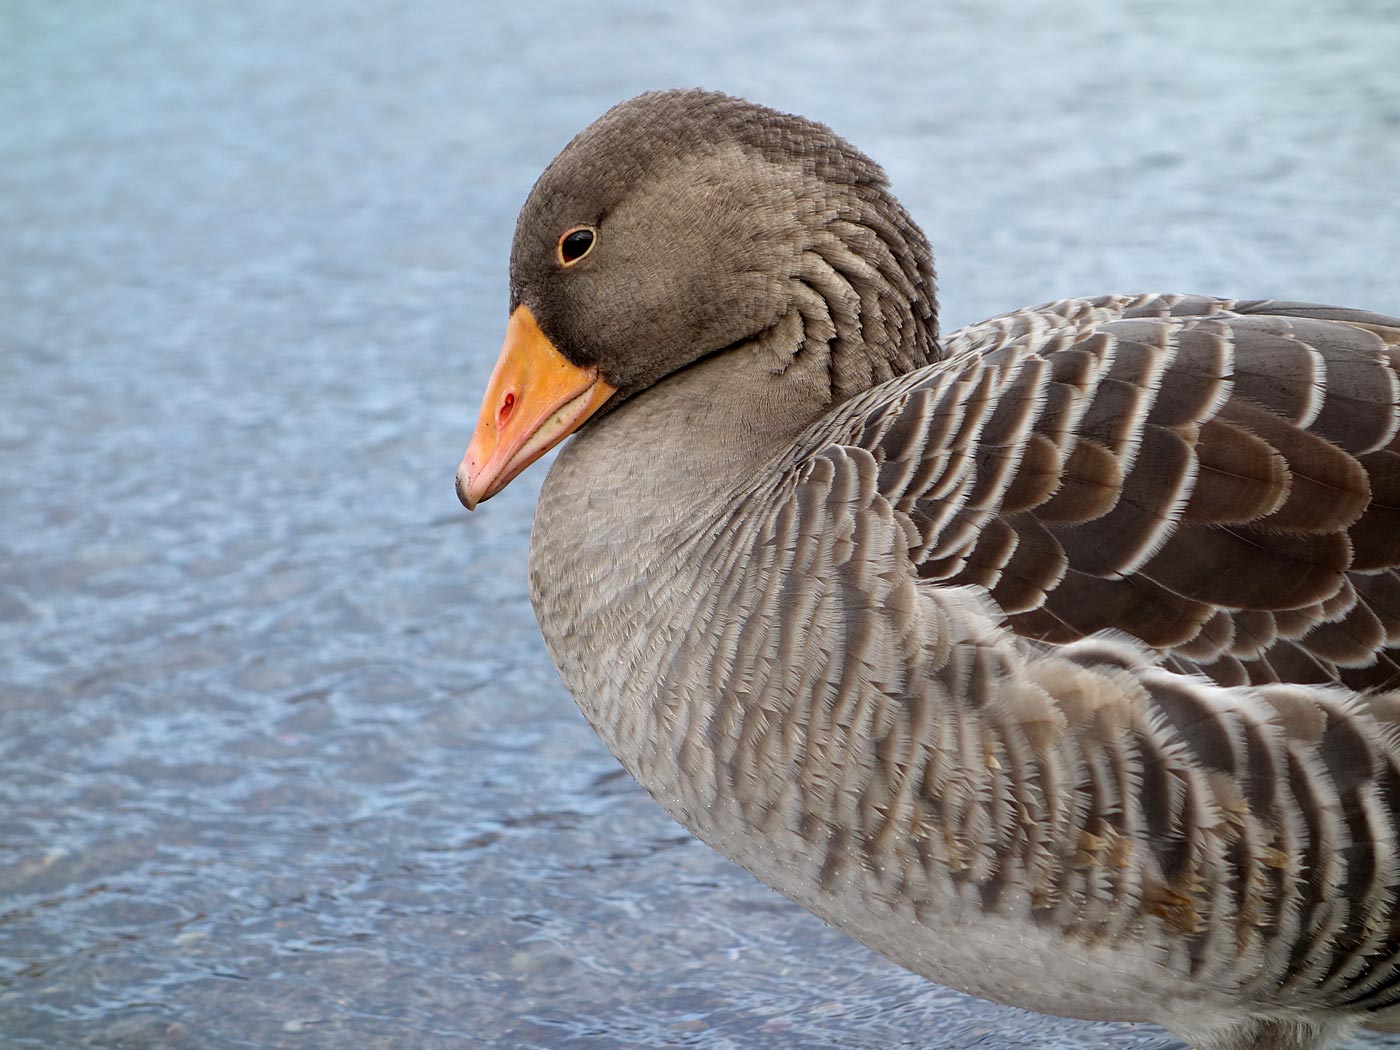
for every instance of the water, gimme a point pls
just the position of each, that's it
(282, 760)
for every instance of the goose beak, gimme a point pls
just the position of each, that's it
(535, 399)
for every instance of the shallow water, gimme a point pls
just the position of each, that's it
(282, 760)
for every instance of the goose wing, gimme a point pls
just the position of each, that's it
(1221, 481)
(1218, 479)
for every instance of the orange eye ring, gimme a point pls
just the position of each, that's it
(575, 243)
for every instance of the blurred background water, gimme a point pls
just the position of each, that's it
(282, 760)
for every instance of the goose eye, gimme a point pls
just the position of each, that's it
(575, 244)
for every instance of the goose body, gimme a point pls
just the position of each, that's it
(1055, 660)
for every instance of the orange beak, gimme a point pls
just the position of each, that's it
(535, 399)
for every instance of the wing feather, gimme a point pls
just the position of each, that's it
(1218, 482)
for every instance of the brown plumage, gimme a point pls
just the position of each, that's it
(1057, 660)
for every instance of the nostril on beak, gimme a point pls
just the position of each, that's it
(507, 406)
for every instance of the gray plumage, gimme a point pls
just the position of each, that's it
(1055, 660)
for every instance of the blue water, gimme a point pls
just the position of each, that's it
(282, 760)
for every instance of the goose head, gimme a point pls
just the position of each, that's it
(685, 224)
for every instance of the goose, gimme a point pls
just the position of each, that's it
(1056, 659)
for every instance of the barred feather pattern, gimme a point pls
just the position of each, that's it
(1090, 629)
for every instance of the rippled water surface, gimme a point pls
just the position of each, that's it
(282, 760)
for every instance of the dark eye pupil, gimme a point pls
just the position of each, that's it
(575, 244)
